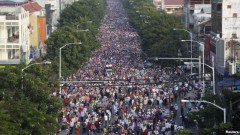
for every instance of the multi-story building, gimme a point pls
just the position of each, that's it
(37, 27)
(225, 35)
(170, 6)
(157, 3)
(14, 33)
(189, 9)
(52, 10)
(52, 13)
(201, 21)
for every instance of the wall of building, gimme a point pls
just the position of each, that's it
(189, 9)
(3, 39)
(230, 24)
(217, 17)
(231, 32)
(193, 2)
(42, 29)
(54, 12)
(34, 37)
(174, 9)
(14, 35)
(24, 36)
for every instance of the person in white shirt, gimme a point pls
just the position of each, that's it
(176, 107)
(176, 88)
(109, 114)
(105, 120)
(180, 84)
(186, 85)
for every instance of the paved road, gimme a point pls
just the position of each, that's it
(135, 95)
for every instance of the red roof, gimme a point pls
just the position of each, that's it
(174, 2)
(32, 7)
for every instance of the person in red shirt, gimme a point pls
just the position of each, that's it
(145, 132)
(66, 102)
(89, 127)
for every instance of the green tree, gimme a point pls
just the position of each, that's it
(4, 119)
(206, 131)
(184, 132)
(78, 15)
(155, 29)
(30, 110)
(223, 127)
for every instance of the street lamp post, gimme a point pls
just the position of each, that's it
(80, 24)
(204, 101)
(213, 74)
(42, 63)
(86, 30)
(60, 58)
(203, 50)
(191, 39)
(231, 104)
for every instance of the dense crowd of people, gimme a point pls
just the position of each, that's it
(121, 92)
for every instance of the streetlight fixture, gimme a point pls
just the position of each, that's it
(86, 30)
(80, 24)
(60, 58)
(231, 104)
(203, 49)
(213, 74)
(191, 38)
(147, 16)
(204, 101)
(42, 63)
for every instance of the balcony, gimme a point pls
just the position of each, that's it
(53, 4)
(10, 61)
(12, 17)
(13, 39)
(217, 1)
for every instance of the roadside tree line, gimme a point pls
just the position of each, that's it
(158, 39)
(155, 27)
(33, 109)
(79, 22)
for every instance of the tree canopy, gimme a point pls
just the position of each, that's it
(33, 109)
(158, 39)
(75, 20)
(26, 111)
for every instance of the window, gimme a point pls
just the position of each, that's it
(229, 6)
(234, 35)
(234, 14)
(219, 7)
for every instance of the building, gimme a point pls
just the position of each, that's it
(157, 3)
(225, 35)
(170, 6)
(52, 12)
(174, 6)
(201, 21)
(37, 27)
(189, 9)
(14, 33)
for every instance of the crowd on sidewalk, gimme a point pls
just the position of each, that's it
(129, 95)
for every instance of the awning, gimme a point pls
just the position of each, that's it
(229, 82)
(204, 22)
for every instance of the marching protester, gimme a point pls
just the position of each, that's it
(120, 92)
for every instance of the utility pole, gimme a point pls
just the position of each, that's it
(60, 8)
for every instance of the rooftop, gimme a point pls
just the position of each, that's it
(32, 7)
(11, 12)
(174, 2)
(11, 2)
